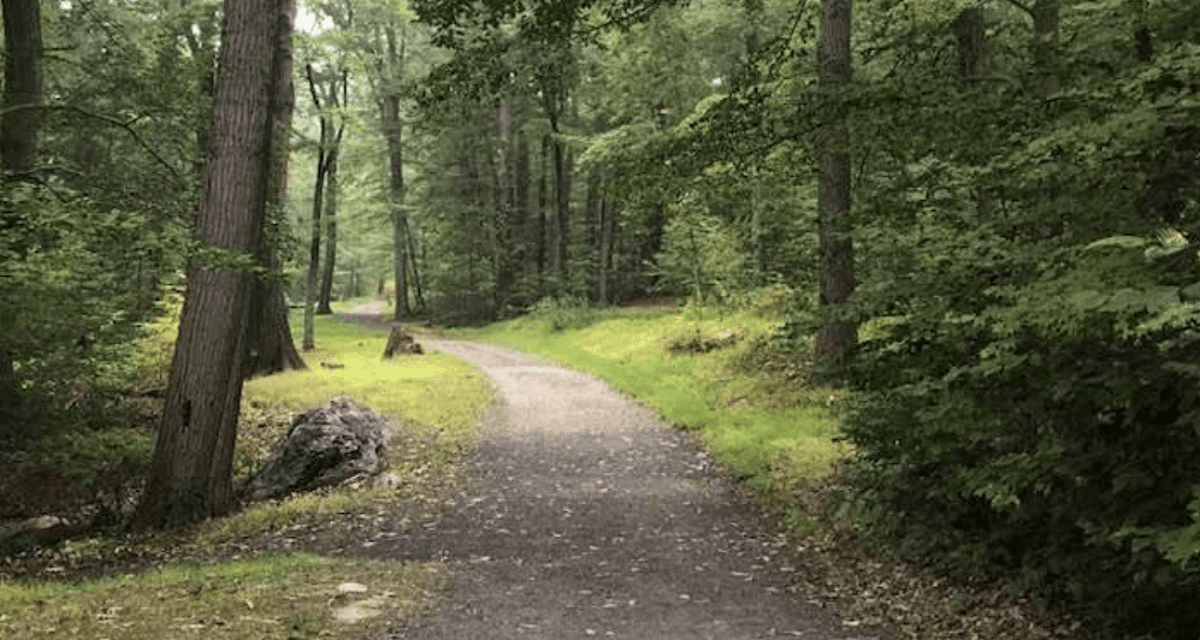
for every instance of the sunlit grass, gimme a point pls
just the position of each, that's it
(772, 431)
(436, 400)
(279, 596)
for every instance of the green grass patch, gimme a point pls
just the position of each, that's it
(280, 596)
(436, 399)
(707, 372)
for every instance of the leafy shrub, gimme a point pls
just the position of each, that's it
(75, 281)
(568, 312)
(702, 256)
(1044, 429)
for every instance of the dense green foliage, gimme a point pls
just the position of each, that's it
(1029, 405)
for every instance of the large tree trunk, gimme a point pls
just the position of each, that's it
(833, 188)
(191, 475)
(269, 344)
(19, 128)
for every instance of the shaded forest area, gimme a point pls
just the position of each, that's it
(978, 214)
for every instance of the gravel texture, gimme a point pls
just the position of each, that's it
(583, 515)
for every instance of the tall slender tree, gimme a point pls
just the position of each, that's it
(325, 294)
(191, 475)
(833, 189)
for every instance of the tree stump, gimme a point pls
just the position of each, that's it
(400, 341)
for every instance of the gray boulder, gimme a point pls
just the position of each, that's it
(325, 447)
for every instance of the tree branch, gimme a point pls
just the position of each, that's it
(102, 118)
(1022, 6)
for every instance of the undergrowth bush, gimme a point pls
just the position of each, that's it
(567, 312)
(1045, 430)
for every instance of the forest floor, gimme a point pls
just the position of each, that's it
(578, 513)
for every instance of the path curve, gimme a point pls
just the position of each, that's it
(584, 516)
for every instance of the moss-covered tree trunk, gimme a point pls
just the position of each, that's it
(191, 475)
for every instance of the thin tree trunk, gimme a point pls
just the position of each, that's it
(314, 242)
(325, 295)
(607, 223)
(1045, 46)
(418, 293)
(562, 195)
(324, 154)
(191, 474)
(836, 338)
(393, 132)
(542, 229)
(756, 230)
(594, 216)
(521, 213)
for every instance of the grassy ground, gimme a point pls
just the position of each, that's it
(283, 596)
(201, 588)
(715, 374)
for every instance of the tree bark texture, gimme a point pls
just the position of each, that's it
(325, 295)
(562, 196)
(393, 132)
(314, 244)
(191, 475)
(522, 175)
(19, 128)
(418, 293)
(270, 347)
(969, 30)
(541, 229)
(833, 188)
(503, 231)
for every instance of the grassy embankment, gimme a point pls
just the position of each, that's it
(436, 399)
(715, 374)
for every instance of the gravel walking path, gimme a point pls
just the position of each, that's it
(585, 516)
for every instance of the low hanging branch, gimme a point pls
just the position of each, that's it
(102, 118)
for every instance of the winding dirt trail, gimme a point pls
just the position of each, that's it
(585, 516)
